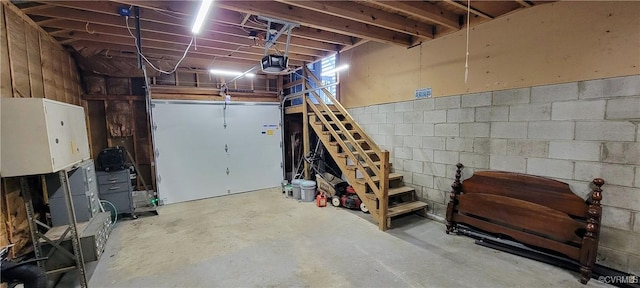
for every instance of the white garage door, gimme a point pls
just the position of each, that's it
(198, 157)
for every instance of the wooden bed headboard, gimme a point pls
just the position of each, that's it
(533, 210)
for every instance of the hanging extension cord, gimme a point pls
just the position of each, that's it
(184, 55)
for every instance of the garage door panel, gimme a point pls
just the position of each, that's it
(191, 139)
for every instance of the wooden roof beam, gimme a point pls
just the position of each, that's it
(367, 15)
(230, 17)
(423, 10)
(317, 20)
(105, 13)
(472, 10)
(194, 60)
(100, 40)
(222, 41)
(524, 3)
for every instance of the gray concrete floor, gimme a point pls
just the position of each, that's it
(262, 239)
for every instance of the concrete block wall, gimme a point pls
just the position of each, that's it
(572, 132)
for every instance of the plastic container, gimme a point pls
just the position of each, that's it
(288, 191)
(308, 191)
(295, 185)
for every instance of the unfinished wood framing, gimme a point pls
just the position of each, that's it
(34, 65)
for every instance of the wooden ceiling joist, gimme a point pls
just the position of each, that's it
(101, 13)
(172, 35)
(367, 15)
(471, 9)
(424, 11)
(317, 20)
(235, 18)
(235, 32)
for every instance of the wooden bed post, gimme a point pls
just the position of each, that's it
(456, 188)
(592, 236)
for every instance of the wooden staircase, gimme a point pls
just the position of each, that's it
(364, 164)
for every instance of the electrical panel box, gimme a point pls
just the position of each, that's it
(41, 136)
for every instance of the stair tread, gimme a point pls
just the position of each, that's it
(331, 122)
(337, 113)
(339, 132)
(392, 176)
(344, 154)
(404, 208)
(393, 192)
(334, 143)
(365, 165)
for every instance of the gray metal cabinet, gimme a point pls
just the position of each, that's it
(83, 194)
(115, 187)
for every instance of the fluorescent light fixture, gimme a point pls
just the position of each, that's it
(230, 73)
(335, 70)
(202, 14)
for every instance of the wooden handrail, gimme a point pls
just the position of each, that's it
(366, 158)
(344, 111)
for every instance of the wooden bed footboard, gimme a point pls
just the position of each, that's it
(533, 210)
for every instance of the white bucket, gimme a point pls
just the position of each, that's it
(308, 191)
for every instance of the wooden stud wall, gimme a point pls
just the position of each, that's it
(32, 64)
(118, 118)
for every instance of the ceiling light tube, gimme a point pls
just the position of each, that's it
(335, 70)
(202, 15)
(230, 73)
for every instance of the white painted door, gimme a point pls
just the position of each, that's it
(198, 157)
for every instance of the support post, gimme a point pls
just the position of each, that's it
(73, 226)
(306, 146)
(33, 226)
(383, 211)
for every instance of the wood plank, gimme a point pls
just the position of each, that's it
(519, 214)
(112, 97)
(392, 177)
(65, 77)
(208, 91)
(35, 65)
(406, 208)
(18, 55)
(158, 96)
(424, 11)
(540, 190)
(369, 152)
(317, 20)
(227, 17)
(383, 223)
(48, 73)
(6, 87)
(293, 109)
(367, 15)
(394, 192)
(56, 55)
(527, 238)
(98, 126)
(471, 9)
(75, 80)
(104, 13)
(172, 34)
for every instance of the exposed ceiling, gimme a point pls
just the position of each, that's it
(99, 35)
